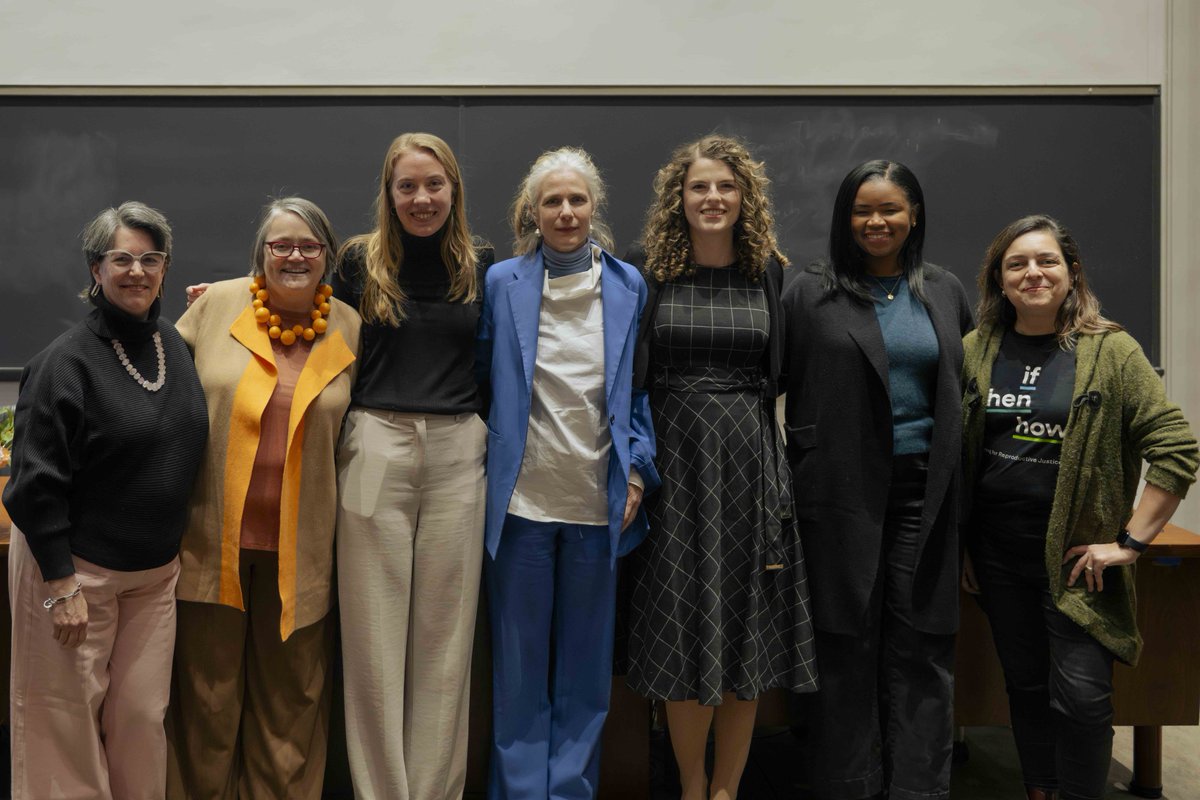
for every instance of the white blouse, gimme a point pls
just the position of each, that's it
(564, 472)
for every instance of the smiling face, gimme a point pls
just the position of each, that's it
(880, 221)
(132, 290)
(712, 201)
(564, 211)
(292, 280)
(1036, 279)
(421, 193)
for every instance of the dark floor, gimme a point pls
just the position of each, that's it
(989, 771)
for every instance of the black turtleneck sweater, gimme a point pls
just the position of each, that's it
(425, 364)
(102, 469)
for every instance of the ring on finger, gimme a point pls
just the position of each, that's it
(1089, 568)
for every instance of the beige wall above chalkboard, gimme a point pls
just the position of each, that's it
(615, 43)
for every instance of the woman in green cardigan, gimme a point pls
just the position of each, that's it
(1061, 407)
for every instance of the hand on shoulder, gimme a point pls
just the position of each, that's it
(195, 291)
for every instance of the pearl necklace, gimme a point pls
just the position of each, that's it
(274, 323)
(132, 370)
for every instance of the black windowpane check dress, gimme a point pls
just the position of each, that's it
(720, 601)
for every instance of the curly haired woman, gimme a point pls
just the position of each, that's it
(720, 607)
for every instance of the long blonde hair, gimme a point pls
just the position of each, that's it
(383, 250)
(522, 215)
(666, 235)
(1080, 311)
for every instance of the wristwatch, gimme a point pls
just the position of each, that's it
(1124, 539)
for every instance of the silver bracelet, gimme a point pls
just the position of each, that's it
(51, 602)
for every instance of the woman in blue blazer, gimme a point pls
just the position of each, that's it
(570, 453)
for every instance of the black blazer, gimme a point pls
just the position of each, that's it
(839, 431)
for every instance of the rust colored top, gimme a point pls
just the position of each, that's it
(260, 517)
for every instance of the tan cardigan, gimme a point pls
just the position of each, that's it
(237, 370)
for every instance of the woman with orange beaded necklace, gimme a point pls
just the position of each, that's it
(275, 353)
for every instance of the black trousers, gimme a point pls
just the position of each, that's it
(883, 718)
(1059, 679)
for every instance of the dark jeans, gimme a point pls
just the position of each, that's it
(1059, 679)
(883, 718)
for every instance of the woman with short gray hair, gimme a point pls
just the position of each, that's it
(252, 687)
(110, 428)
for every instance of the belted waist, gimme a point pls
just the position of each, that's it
(710, 381)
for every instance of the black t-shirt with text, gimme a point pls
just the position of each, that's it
(1027, 410)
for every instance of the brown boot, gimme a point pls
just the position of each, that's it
(1033, 793)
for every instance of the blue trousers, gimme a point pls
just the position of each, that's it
(552, 594)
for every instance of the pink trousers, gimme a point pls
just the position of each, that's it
(87, 722)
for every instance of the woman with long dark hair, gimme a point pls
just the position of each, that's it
(874, 439)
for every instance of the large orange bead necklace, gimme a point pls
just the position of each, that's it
(273, 322)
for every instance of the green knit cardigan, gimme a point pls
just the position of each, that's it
(1120, 416)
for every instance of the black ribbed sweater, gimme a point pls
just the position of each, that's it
(102, 469)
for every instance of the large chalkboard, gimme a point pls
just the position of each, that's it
(209, 163)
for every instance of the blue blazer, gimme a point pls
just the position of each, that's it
(506, 351)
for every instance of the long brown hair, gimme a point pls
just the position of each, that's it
(382, 298)
(1080, 311)
(666, 235)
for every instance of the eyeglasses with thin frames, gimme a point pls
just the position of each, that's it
(308, 250)
(152, 261)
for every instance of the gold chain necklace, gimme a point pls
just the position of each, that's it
(273, 322)
(891, 293)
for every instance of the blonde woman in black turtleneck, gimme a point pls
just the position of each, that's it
(110, 429)
(410, 480)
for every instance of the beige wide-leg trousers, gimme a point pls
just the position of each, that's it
(87, 722)
(409, 550)
(249, 713)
